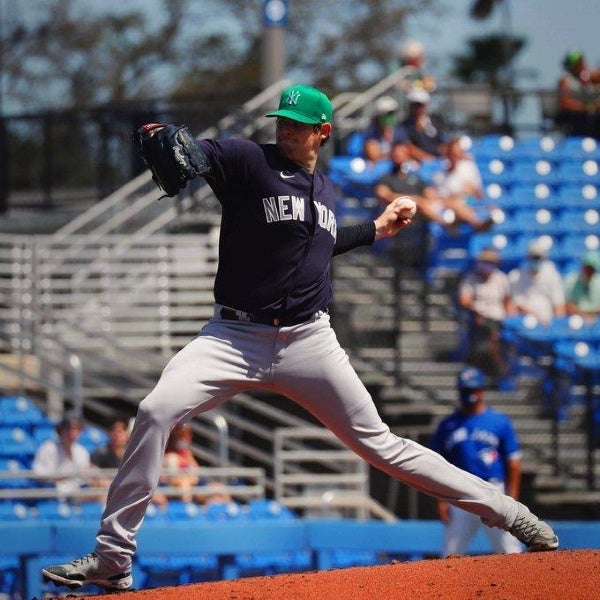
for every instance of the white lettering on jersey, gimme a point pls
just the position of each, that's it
(291, 208)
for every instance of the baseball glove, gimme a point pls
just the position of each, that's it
(171, 154)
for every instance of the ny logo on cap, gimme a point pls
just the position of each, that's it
(292, 97)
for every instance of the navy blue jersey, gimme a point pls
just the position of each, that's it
(480, 444)
(278, 230)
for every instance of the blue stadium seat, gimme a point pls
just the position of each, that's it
(538, 147)
(178, 510)
(13, 465)
(91, 437)
(580, 220)
(91, 510)
(16, 443)
(19, 411)
(355, 143)
(496, 194)
(575, 245)
(11, 510)
(44, 432)
(531, 220)
(579, 172)
(263, 508)
(578, 195)
(532, 195)
(574, 147)
(224, 511)
(56, 510)
(495, 170)
(534, 172)
(492, 145)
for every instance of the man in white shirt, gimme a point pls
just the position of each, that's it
(536, 287)
(64, 461)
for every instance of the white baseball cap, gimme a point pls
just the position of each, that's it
(412, 49)
(418, 96)
(385, 104)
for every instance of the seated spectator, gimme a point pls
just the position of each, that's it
(484, 292)
(110, 455)
(404, 181)
(536, 287)
(179, 457)
(579, 97)
(423, 130)
(412, 58)
(460, 175)
(63, 461)
(582, 288)
(384, 131)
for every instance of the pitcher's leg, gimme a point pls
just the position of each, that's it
(317, 374)
(189, 384)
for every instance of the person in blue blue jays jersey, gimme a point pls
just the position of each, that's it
(271, 330)
(482, 441)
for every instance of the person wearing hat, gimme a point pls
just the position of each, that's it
(482, 441)
(579, 96)
(272, 331)
(412, 60)
(484, 296)
(536, 286)
(63, 461)
(583, 288)
(383, 131)
(423, 130)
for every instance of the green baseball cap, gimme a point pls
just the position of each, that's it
(305, 104)
(572, 57)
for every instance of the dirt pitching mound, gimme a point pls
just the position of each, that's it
(564, 574)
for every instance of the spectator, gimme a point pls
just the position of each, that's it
(383, 131)
(403, 180)
(412, 58)
(536, 287)
(484, 292)
(579, 97)
(460, 175)
(423, 130)
(109, 456)
(482, 441)
(64, 461)
(582, 288)
(179, 457)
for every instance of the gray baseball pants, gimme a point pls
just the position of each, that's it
(304, 363)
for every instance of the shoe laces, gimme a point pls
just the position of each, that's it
(524, 529)
(88, 558)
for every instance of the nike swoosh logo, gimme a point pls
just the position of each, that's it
(284, 176)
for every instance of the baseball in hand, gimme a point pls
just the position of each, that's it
(408, 207)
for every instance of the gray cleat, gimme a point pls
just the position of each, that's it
(536, 534)
(87, 570)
